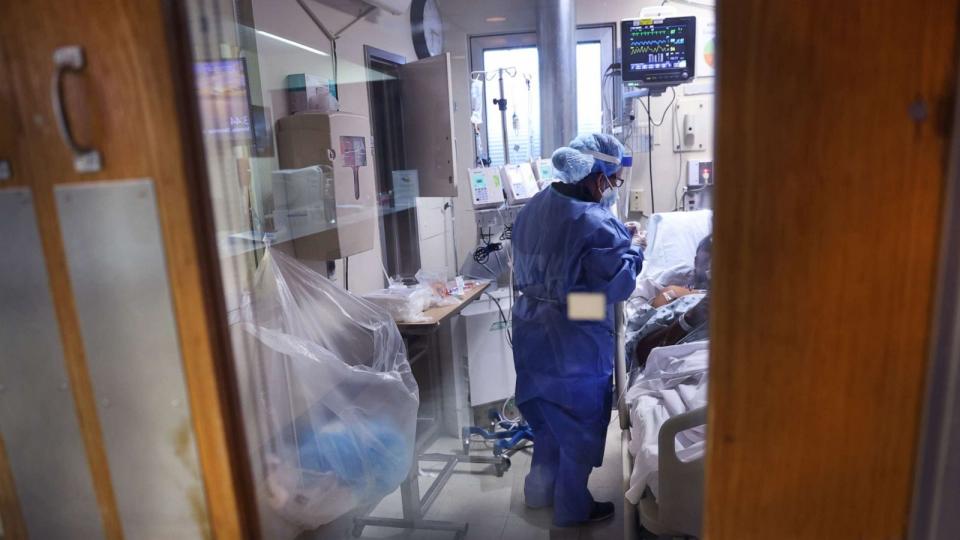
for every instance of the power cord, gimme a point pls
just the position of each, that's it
(482, 254)
(653, 203)
(676, 187)
(663, 116)
(503, 317)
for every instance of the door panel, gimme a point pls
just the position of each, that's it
(122, 296)
(127, 103)
(428, 124)
(45, 450)
(832, 127)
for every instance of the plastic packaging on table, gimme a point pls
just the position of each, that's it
(336, 403)
(404, 304)
(437, 283)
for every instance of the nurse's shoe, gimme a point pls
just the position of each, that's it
(602, 511)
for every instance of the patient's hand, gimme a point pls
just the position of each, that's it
(669, 294)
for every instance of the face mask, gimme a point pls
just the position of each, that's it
(610, 196)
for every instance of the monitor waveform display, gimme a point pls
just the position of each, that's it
(659, 52)
(653, 48)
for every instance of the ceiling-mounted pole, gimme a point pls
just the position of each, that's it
(557, 39)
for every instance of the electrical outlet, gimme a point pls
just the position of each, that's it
(636, 200)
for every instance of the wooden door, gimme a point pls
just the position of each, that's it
(128, 102)
(832, 130)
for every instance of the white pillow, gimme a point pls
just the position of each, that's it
(672, 239)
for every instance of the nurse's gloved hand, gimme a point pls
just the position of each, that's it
(639, 237)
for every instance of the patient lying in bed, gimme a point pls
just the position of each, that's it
(668, 306)
(667, 347)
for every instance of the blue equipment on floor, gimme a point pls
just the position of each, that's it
(508, 435)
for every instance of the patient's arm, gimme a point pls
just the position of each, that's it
(669, 294)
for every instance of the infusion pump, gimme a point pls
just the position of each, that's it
(543, 168)
(520, 182)
(486, 187)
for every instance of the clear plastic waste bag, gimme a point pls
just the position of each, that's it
(336, 403)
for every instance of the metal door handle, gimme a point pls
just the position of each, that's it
(70, 58)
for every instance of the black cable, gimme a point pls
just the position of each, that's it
(650, 125)
(503, 318)
(482, 253)
(676, 187)
(653, 206)
(665, 111)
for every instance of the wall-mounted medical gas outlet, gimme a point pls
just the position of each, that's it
(691, 131)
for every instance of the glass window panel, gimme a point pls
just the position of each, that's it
(522, 91)
(589, 78)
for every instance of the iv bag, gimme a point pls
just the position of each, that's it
(476, 101)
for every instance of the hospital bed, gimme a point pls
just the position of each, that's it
(677, 509)
(671, 491)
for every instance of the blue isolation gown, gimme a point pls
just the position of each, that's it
(561, 245)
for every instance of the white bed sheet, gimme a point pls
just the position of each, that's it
(674, 381)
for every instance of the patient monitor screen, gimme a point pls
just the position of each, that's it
(659, 51)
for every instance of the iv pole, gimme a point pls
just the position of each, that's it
(500, 102)
(502, 105)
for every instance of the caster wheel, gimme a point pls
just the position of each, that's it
(465, 440)
(503, 467)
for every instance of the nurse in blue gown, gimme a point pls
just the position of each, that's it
(566, 240)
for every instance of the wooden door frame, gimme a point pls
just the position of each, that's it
(180, 44)
(833, 144)
(937, 485)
